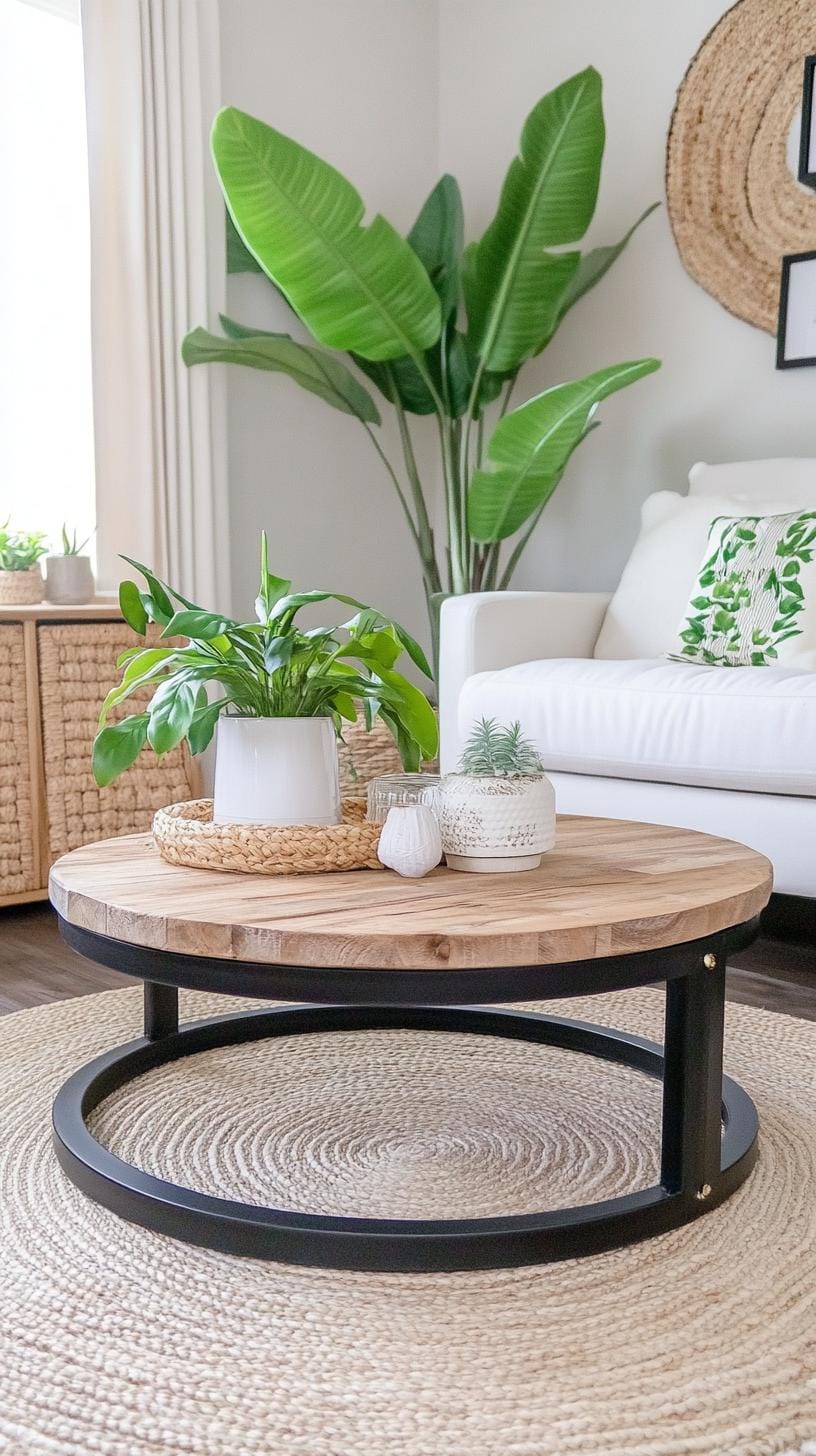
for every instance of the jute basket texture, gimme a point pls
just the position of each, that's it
(364, 756)
(734, 205)
(185, 835)
(18, 871)
(77, 667)
(21, 588)
(118, 1342)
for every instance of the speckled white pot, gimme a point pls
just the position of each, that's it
(491, 824)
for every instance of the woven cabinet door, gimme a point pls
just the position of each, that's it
(19, 870)
(77, 669)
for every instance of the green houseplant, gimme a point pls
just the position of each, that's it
(69, 577)
(21, 581)
(437, 328)
(498, 812)
(285, 691)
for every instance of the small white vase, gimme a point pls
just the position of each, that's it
(69, 580)
(494, 824)
(276, 771)
(410, 842)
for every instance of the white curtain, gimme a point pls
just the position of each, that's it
(157, 269)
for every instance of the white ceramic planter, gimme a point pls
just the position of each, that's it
(69, 580)
(493, 824)
(21, 588)
(276, 771)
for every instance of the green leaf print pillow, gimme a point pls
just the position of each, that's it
(754, 600)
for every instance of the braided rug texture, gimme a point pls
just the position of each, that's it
(118, 1342)
(734, 205)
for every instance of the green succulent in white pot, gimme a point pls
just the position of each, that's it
(278, 691)
(498, 813)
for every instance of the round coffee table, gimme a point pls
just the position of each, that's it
(614, 905)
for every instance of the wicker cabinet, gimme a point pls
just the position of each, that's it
(56, 665)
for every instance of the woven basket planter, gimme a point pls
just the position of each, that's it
(186, 835)
(365, 756)
(21, 588)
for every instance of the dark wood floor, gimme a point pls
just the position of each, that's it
(36, 967)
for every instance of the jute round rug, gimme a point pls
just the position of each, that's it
(117, 1341)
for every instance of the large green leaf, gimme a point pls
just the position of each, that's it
(399, 380)
(593, 266)
(117, 747)
(514, 288)
(311, 368)
(239, 258)
(529, 447)
(437, 237)
(357, 288)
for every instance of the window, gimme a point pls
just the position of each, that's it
(46, 435)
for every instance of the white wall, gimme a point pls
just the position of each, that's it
(355, 80)
(718, 396)
(396, 91)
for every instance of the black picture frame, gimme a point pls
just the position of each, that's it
(789, 262)
(807, 140)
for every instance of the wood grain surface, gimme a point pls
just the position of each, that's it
(607, 888)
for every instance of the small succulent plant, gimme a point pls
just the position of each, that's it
(499, 751)
(20, 550)
(71, 544)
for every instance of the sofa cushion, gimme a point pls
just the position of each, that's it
(744, 728)
(643, 615)
(790, 481)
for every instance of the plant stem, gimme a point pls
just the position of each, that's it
(393, 474)
(458, 581)
(515, 555)
(424, 534)
(511, 383)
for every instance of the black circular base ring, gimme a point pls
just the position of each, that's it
(382, 1244)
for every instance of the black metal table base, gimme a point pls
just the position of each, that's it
(709, 1141)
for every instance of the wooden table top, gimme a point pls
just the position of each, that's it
(608, 888)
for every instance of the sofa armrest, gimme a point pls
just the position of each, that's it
(488, 630)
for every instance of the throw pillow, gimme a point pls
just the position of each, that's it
(642, 617)
(754, 599)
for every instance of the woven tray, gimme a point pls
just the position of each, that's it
(186, 835)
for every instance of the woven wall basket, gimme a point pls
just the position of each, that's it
(186, 835)
(734, 205)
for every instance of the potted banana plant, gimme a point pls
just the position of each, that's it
(279, 692)
(436, 328)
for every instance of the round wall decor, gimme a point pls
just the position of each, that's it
(735, 206)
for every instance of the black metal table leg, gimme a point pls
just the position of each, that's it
(692, 1078)
(161, 1016)
(709, 1122)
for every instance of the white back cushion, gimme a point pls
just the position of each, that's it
(644, 614)
(792, 481)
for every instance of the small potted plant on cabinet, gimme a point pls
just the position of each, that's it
(21, 581)
(284, 692)
(69, 578)
(498, 812)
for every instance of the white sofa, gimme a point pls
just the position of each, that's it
(634, 735)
